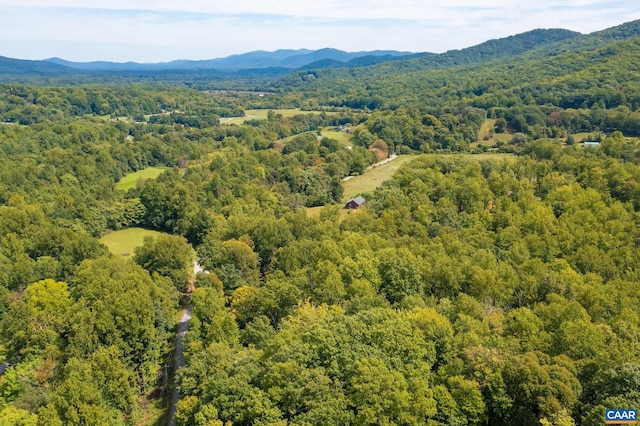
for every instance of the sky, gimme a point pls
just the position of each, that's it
(163, 30)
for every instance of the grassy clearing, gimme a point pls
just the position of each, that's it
(484, 156)
(314, 211)
(487, 127)
(126, 240)
(373, 178)
(343, 137)
(129, 181)
(487, 138)
(342, 213)
(367, 182)
(261, 114)
(584, 137)
(290, 138)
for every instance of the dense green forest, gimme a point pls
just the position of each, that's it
(469, 290)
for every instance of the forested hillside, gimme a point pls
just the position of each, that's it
(470, 289)
(583, 84)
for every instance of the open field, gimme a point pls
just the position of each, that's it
(485, 130)
(505, 138)
(493, 139)
(373, 178)
(484, 156)
(343, 137)
(129, 181)
(314, 211)
(126, 240)
(261, 114)
(366, 182)
(289, 138)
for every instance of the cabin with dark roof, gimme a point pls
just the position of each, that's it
(3, 367)
(354, 203)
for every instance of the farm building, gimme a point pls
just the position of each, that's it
(354, 203)
(3, 367)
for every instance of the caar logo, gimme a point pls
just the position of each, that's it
(621, 417)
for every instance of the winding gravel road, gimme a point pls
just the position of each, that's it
(182, 330)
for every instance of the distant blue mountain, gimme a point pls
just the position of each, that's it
(98, 65)
(362, 61)
(284, 61)
(303, 60)
(289, 59)
(32, 68)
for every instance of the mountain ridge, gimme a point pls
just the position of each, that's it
(29, 67)
(282, 58)
(287, 61)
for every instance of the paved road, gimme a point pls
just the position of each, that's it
(182, 330)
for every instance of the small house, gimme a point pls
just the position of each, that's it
(354, 203)
(3, 367)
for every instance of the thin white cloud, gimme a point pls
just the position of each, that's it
(160, 30)
(336, 9)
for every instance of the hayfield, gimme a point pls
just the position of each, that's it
(126, 240)
(366, 182)
(261, 114)
(129, 181)
(491, 139)
(290, 138)
(374, 177)
(343, 137)
(497, 156)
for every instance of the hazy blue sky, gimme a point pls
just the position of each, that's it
(163, 30)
